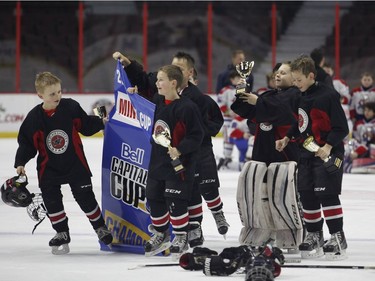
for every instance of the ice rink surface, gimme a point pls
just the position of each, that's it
(28, 257)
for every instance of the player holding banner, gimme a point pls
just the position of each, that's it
(206, 182)
(177, 135)
(322, 126)
(266, 194)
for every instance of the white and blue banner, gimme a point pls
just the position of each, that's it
(126, 155)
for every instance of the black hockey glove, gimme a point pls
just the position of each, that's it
(273, 253)
(217, 266)
(333, 164)
(275, 256)
(239, 254)
(195, 260)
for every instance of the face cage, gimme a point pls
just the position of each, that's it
(36, 210)
(259, 273)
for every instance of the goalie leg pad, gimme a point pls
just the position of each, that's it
(253, 205)
(281, 185)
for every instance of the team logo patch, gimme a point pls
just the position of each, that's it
(303, 120)
(160, 127)
(265, 126)
(57, 141)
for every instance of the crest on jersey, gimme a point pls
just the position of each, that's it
(265, 126)
(303, 120)
(160, 127)
(57, 141)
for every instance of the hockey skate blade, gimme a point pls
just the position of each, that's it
(159, 250)
(60, 250)
(316, 253)
(336, 256)
(292, 251)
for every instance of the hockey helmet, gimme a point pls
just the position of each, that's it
(260, 268)
(14, 192)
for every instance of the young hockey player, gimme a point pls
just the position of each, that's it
(321, 118)
(225, 98)
(266, 192)
(362, 145)
(360, 95)
(207, 181)
(52, 129)
(168, 193)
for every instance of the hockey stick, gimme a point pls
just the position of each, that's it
(328, 266)
(283, 266)
(153, 265)
(177, 264)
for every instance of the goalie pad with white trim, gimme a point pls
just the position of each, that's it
(253, 205)
(284, 206)
(268, 205)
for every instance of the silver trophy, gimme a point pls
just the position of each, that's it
(100, 111)
(331, 163)
(244, 69)
(163, 138)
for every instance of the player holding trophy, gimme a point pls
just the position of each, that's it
(322, 127)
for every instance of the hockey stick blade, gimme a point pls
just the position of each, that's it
(328, 266)
(177, 264)
(152, 265)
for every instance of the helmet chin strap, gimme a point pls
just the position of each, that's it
(37, 210)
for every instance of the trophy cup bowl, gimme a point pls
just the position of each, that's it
(100, 111)
(331, 163)
(163, 139)
(244, 69)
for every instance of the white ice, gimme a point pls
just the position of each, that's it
(28, 257)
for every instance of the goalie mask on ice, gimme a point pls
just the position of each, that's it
(268, 205)
(14, 192)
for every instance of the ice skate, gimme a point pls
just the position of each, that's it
(312, 246)
(159, 242)
(60, 243)
(104, 235)
(223, 162)
(195, 234)
(335, 247)
(179, 245)
(221, 223)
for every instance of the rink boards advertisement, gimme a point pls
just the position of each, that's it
(14, 108)
(126, 154)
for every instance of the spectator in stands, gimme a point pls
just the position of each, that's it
(343, 89)
(319, 60)
(363, 143)
(238, 56)
(361, 94)
(361, 127)
(339, 84)
(225, 98)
